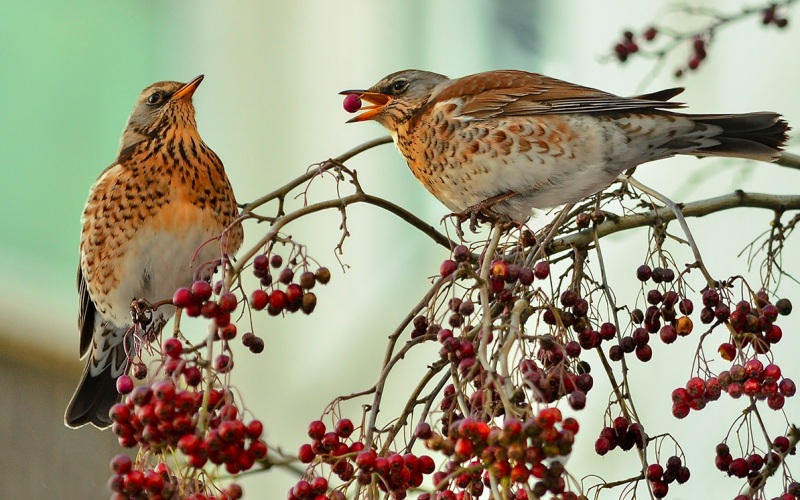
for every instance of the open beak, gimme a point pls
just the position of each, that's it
(187, 90)
(376, 100)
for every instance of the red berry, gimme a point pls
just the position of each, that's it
(680, 410)
(294, 296)
(134, 482)
(344, 428)
(306, 454)
(447, 268)
(223, 363)
(463, 448)
(172, 347)
(654, 472)
(366, 460)
(668, 334)
(277, 301)
(189, 444)
(201, 291)
(286, 276)
(727, 351)
(182, 297)
(602, 446)
(227, 303)
(259, 299)
(352, 103)
(541, 270)
(316, 429)
(738, 467)
(787, 387)
(710, 298)
(254, 429)
(121, 464)
(660, 489)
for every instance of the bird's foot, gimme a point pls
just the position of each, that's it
(484, 212)
(144, 317)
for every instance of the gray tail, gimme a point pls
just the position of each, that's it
(754, 136)
(94, 396)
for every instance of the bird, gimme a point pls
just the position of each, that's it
(144, 231)
(506, 142)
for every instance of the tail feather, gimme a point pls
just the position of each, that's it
(755, 136)
(96, 393)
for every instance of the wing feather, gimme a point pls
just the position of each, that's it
(518, 93)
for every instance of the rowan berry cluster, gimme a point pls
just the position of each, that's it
(752, 466)
(661, 477)
(483, 453)
(178, 413)
(350, 461)
(622, 433)
(290, 291)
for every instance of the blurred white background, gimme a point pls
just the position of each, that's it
(269, 106)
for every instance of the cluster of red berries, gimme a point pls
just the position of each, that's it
(128, 483)
(761, 382)
(622, 433)
(749, 467)
(501, 273)
(663, 306)
(392, 473)
(695, 396)
(513, 453)
(661, 477)
(573, 314)
(297, 296)
(754, 323)
(556, 377)
(161, 416)
(698, 53)
(196, 300)
(626, 47)
(771, 16)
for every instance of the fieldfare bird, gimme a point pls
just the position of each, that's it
(505, 142)
(146, 229)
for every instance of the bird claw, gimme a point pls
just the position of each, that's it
(143, 317)
(484, 212)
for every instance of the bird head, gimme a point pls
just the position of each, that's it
(396, 97)
(161, 106)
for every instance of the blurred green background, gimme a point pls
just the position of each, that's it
(70, 73)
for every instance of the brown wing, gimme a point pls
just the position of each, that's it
(518, 93)
(86, 312)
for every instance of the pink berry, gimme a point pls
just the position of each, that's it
(352, 103)
(124, 384)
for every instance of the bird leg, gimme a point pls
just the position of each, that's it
(142, 316)
(483, 212)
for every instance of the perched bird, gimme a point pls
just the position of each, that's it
(510, 141)
(144, 226)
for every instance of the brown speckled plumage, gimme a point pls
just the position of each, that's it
(535, 142)
(144, 224)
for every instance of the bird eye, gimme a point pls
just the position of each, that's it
(154, 98)
(399, 85)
